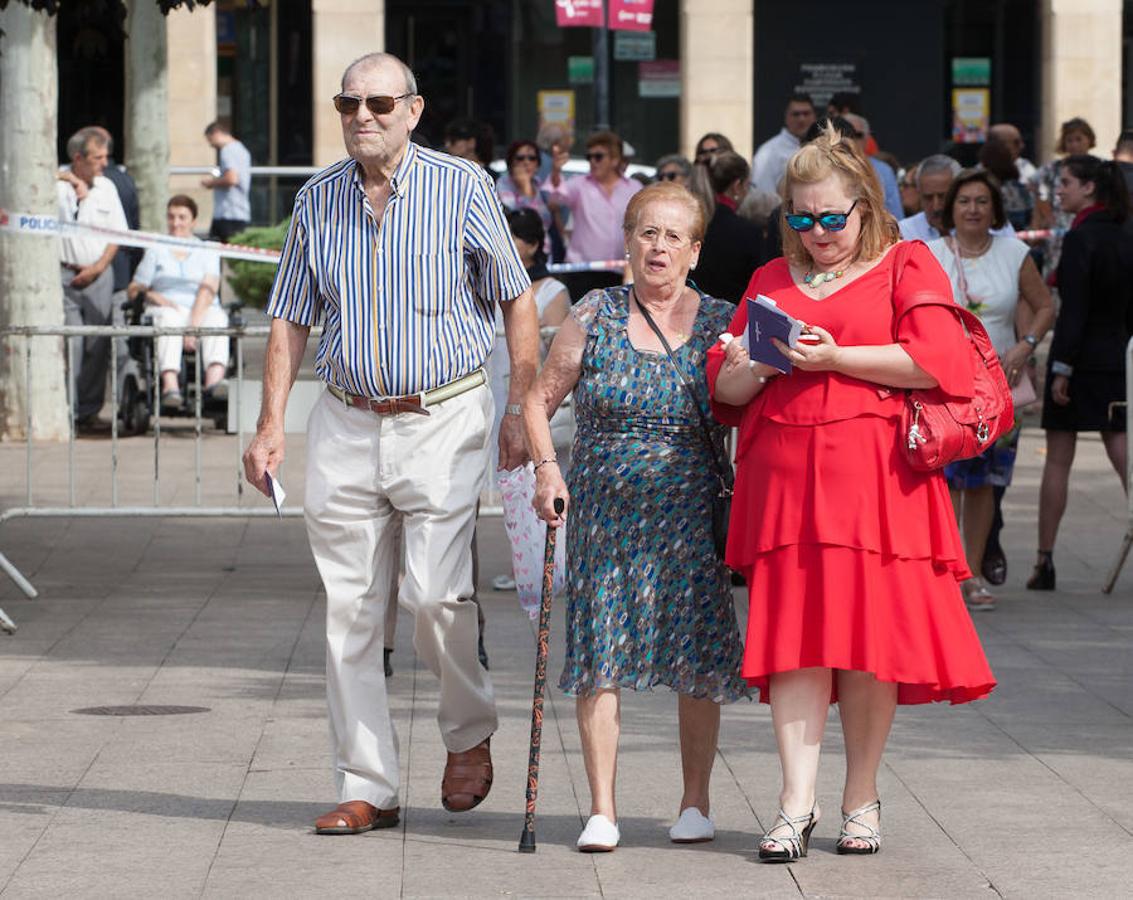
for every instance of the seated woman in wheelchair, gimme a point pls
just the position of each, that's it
(181, 288)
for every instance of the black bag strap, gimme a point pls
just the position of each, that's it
(722, 472)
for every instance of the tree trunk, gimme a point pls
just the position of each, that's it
(147, 122)
(29, 265)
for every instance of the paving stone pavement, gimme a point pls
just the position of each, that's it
(1027, 794)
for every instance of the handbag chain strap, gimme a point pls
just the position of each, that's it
(725, 482)
(961, 275)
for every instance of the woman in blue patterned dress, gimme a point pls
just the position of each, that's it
(649, 604)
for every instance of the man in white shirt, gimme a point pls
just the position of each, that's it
(85, 258)
(934, 178)
(770, 160)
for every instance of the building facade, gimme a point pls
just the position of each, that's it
(930, 75)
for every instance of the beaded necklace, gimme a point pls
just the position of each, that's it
(816, 279)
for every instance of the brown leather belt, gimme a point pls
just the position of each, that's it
(412, 403)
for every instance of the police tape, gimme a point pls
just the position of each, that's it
(1040, 234)
(50, 226)
(601, 265)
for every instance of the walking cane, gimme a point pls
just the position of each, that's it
(527, 839)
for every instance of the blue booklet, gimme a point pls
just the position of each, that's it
(766, 321)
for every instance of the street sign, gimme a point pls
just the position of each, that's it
(631, 15)
(580, 69)
(635, 46)
(578, 13)
(660, 78)
(556, 107)
(971, 71)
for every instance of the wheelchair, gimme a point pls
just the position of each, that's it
(136, 403)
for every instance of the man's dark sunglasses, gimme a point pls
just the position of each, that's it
(379, 104)
(830, 221)
(668, 176)
(525, 157)
(592, 157)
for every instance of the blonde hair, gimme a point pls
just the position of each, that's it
(832, 154)
(664, 191)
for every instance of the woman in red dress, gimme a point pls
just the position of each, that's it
(852, 559)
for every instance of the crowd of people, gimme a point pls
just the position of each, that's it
(175, 286)
(860, 570)
(969, 218)
(852, 581)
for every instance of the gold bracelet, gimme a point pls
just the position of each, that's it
(543, 462)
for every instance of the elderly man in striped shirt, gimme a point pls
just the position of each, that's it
(404, 252)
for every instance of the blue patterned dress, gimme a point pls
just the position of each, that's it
(647, 601)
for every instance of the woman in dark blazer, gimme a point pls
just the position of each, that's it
(733, 246)
(1086, 367)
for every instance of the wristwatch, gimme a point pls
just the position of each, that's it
(1032, 340)
(513, 409)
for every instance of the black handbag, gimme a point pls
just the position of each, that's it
(722, 499)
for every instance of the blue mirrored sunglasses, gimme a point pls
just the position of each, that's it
(830, 221)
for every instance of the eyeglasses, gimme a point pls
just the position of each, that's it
(525, 157)
(650, 236)
(668, 176)
(830, 221)
(379, 104)
(595, 157)
(705, 152)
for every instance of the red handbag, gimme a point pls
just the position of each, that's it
(937, 428)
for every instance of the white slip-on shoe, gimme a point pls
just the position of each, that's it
(692, 828)
(599, 836)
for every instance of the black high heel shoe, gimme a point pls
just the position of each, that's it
(1042, 578)
(793, 845)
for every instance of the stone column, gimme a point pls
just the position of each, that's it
(1081, 70)
(147, 110)
(192, 100)
(31, 291)
(717, 80)
(342, 30)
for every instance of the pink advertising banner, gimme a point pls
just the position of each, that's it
(631, 15)
(579, 13)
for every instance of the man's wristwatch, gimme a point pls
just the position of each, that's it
(1032, 340)
(513, 409)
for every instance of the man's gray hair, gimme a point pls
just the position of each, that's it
(377, 59)
(78, 142)
(937, 164)
(675, 159)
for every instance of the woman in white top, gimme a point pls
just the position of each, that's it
(990, 275)
(180, 286)
(552, 302)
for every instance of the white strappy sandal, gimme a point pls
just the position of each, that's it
(871, 838)
(791, 846)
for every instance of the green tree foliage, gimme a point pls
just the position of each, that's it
(252, 280)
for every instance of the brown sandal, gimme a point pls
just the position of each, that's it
(467, 778)
(356, 817)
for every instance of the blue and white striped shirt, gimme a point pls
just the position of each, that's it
(409, 305)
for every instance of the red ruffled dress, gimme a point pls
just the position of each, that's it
(852, 559)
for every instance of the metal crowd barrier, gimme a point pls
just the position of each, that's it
(29, 508)
(1127, 541)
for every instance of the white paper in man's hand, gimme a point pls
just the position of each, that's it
(276, 492)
